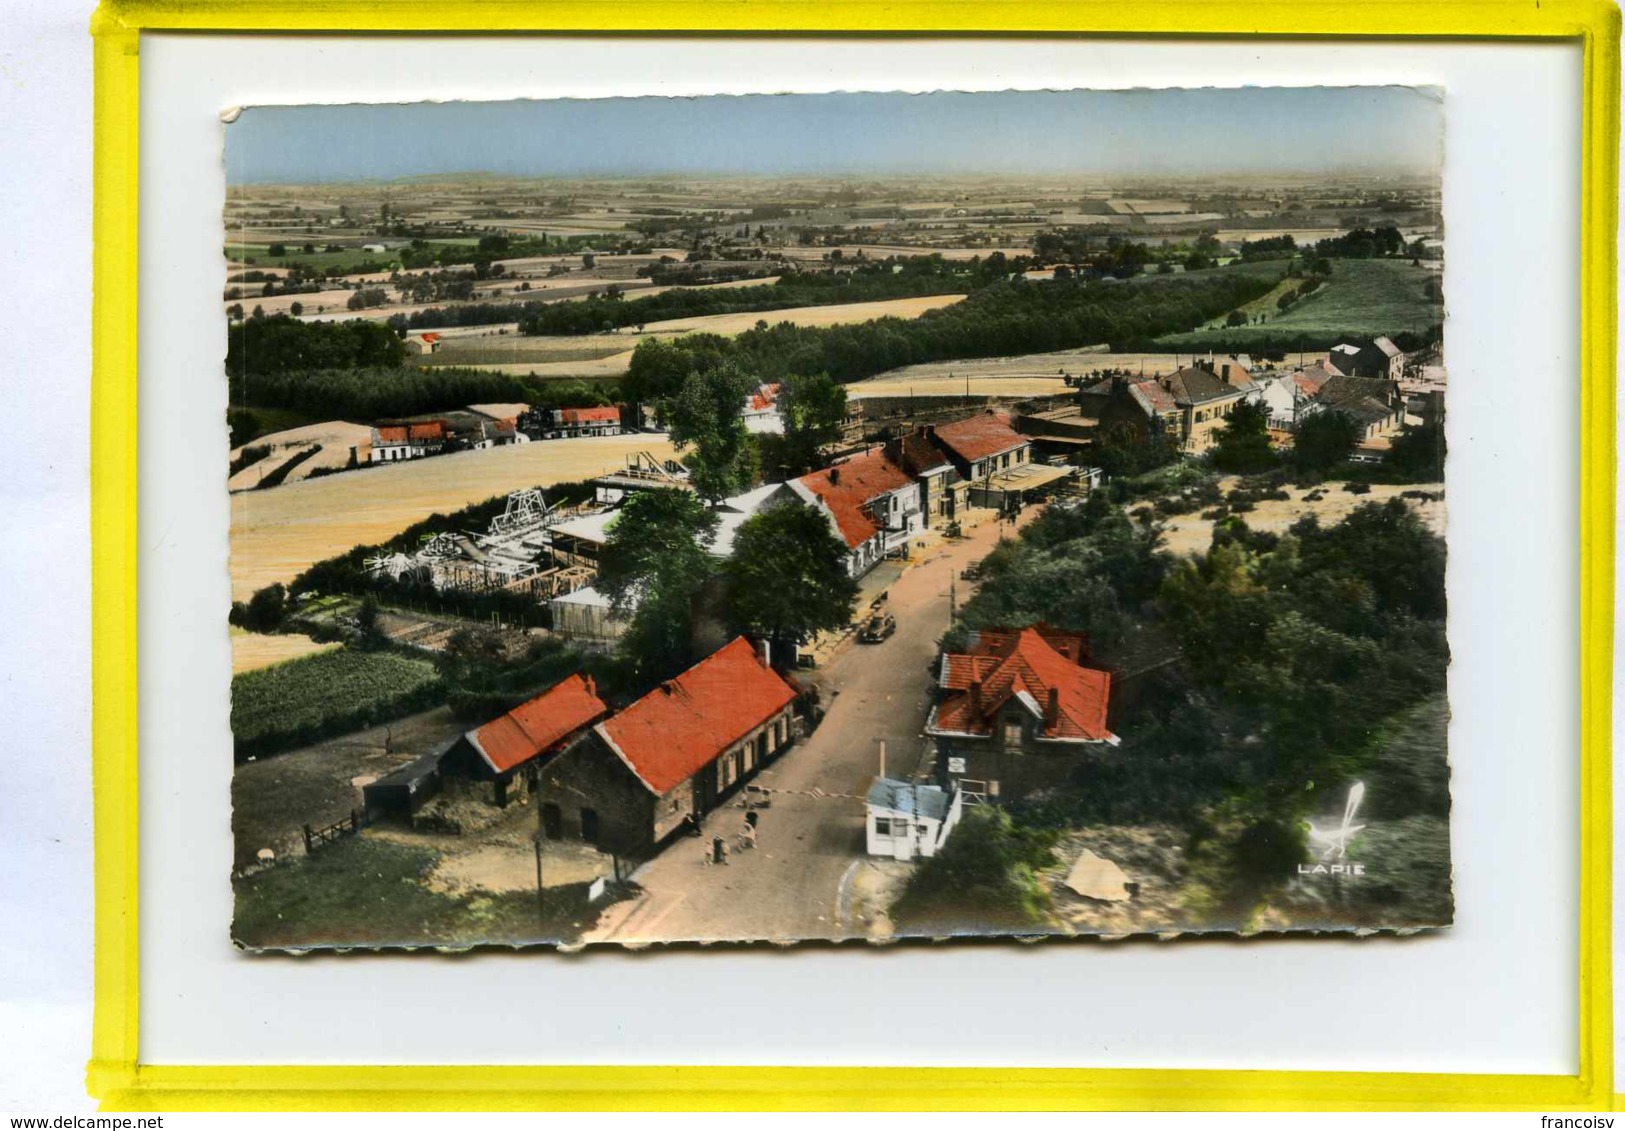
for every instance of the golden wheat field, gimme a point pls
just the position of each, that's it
(252, 650)
(615, 364)
(1029, 375)
(278, 533)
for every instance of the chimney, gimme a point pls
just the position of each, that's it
(976, 698)
(834, 477)
(761, 648)
(592, 686)
(1052, 709)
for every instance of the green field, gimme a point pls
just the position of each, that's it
(362, 891)
(347, 260)
(315, 697)
(1361, 298)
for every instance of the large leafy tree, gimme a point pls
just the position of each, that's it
(1244, 441)
(813, 409)
(789, 575)
(1418, 453)
(1324, 440)
(654, 563)
(708, 417)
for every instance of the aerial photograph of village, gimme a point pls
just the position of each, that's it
(837, 517)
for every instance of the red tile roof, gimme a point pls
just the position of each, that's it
(391, 434)
(611, 413)
(1152, 396)
(429, 430)
(846, 487)
(538, 726)
(915, 453)
(683, 725)
(1036, 661)
(980, 436)
(431, 338)
(764, 398)
(1310, 378)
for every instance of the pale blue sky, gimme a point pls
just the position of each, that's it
(1168, 132)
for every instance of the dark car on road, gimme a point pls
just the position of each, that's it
(879, 626)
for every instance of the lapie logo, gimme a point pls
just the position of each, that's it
(1333, 843)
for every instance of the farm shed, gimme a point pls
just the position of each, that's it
(402, 793)
(497, 761)
(904, 820)
(633, 780)
(586, 615)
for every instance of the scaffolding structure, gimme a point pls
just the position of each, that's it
(513, 554)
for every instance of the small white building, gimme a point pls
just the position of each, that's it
(905, 820)
(586, 615)
(762, 411)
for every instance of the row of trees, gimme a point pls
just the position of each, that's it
(875, 281)
(1013, 316)
(366, 394)
(260, 346)
(1323, 442)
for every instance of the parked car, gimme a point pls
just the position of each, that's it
(972, 572)
(879, 626)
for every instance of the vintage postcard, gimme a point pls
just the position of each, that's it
(848, 516)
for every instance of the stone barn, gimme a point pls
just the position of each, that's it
(498, 761)
(630, 783)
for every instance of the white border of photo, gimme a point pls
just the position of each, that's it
(1495, 993)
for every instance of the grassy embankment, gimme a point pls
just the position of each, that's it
(367, 891)
(1361, 298)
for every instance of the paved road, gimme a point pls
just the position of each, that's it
(789, 886)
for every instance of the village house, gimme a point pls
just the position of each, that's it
(495, 763)
(941, 494)
(568, 423)
(981, 445)
(1375, 404)
(392, 442)
(762, 411)
(635, 778)
(1186, 407)
(873, 505)
(1018, 711)
(497, 434)
(420, 344)
(1376, 358)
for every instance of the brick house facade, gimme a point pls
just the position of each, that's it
(1018, 711)
(628, 784)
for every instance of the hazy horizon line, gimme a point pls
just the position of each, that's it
(1130, 134)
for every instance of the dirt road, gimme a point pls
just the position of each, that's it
(789, 886)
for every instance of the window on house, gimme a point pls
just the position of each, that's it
(883, 826)
(1012, 732)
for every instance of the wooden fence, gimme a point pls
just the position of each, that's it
(317, 837)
